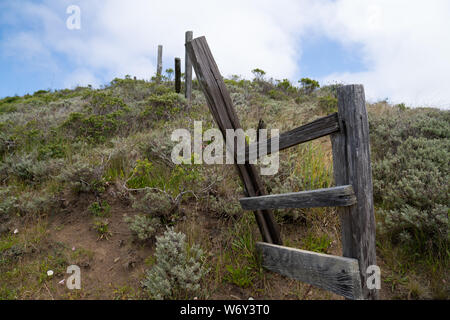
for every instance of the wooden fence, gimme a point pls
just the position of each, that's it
(353, 196)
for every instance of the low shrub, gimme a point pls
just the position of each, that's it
(223, 207)
(101, 226)
(410, 177)
(308, 85)
(163, 106)
(143, 227)
(328, 104)
(102, 118)
(179, 268)
(100, 209)
(27, 168)
(83, 177)
(153, 203)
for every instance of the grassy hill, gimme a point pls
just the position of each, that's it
(86, 179)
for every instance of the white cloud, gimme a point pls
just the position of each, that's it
(404, 44)
(81, 77)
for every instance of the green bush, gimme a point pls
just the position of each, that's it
(179, 268)
(101, 226)
(102, 118)
(276, 94)
(286, 86)
(83, 177)
(25, 204)
(9, 100)
(100, 209)
(224, 207)
(259, 74)
(26, 168)
(153, 175)
(51, 150)
(328, 104)
(164, 105)
(143, 227)
(153, 203)
(410, 152)
(309, 85)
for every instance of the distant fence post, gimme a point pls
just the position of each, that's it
(177, 75)
(159, 62)
(351, 162)
(188, 69)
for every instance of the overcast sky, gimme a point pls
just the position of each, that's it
(399, 49)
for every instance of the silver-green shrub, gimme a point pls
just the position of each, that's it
(142, 226)
(411, 174)
(178, 270)
(224, 207)
(153, 203)
(83, 177)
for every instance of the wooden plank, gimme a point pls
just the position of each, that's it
(177, 75)
(329, 197)
(222, 109)
(159, 61)
(336, 274)
(188, 69)
(313, 130)
(351, 162)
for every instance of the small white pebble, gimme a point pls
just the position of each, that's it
(16, 231)
(50, 273)
(251, 298)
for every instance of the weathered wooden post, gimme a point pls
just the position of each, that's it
(221, 106)
(351, 162)
(188, 69)
(159, 62)
(177, 75)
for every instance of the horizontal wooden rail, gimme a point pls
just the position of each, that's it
(337, 274)
(313, 130)
(341, 196)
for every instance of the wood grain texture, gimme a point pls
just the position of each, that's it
(351, 160)
(177, 75)
(222, 109)
(188, 69)
(313, 130)
(329, 197)
(336, 274)
(159, 61)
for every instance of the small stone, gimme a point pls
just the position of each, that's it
(50, 273)
(16, 231)
(250, 298)
(116, 259)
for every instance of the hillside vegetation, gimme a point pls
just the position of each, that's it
(86, 178)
